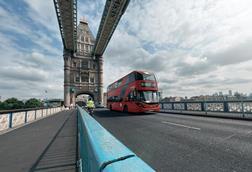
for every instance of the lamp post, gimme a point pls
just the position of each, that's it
(46, 102)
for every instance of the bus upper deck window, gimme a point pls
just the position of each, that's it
(145, 76)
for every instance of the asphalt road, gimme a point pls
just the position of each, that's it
(173, 142)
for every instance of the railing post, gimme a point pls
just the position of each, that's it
(35, 117)
(243, 113)
(10, 120)
(204, 107)
(185, 106)
(25, 117)
(172, 106)
(225, 106)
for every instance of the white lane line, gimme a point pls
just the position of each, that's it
(181, 125)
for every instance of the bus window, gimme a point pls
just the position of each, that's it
(148, 96)
(132, 96)
(145, 76)
(131, 78)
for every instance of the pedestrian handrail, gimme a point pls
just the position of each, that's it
(14, 118)
(100, 151)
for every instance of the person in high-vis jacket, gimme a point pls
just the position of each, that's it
(90, 106)
(90, 103)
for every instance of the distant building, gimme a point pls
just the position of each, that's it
(172, 99)
(230, 92)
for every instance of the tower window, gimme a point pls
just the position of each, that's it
(92, 79)
(86, 39)
(77, 78)
(84, 64)
(84, 77)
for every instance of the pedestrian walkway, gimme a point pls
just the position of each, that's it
(49, 144)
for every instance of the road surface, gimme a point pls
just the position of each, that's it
(173, 142)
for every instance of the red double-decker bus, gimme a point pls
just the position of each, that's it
(135, 92)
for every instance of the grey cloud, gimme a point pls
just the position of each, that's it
(215, 81)
(168, 81)
(152, 63)
(233, 55)
(23, 74)
(183, 69)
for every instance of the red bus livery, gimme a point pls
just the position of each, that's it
(135, 92)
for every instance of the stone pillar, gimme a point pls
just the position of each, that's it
(67, 64)
(100, 79)
(73, 98)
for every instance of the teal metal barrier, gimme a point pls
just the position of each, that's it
(100, 151)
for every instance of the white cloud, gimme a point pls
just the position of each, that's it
(193, 46)
(27, 72)
(43, 13)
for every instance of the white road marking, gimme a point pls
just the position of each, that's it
(181, 125)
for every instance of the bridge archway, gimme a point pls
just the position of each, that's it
(81, 97)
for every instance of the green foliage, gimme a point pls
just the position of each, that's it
(1, 105)
(33, 103)
(12, 103)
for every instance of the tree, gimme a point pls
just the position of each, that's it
(1, 105)
(13, 103)
(33, 103)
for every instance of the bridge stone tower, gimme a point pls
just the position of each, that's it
(83, 72)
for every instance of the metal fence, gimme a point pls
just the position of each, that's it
(241, 108)
(13, 118)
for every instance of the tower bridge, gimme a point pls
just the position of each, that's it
(184, 136)
(83, 62)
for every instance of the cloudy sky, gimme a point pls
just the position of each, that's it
(194, 47)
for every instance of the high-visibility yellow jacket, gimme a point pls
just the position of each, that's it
(90, 104)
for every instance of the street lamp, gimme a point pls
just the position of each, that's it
(46, 98)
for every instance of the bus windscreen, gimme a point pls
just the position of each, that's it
(148, 96)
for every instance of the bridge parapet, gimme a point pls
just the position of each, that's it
(14, 118)
(240, 109)
(100, 151)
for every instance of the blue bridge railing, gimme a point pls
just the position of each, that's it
(100, 151)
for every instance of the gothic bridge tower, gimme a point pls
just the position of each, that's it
(82, 70)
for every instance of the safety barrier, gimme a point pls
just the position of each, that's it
(234, 109)
(14, 118)
(100, 151)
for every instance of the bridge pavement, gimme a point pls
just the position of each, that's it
(46, 145)
(172, 142)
